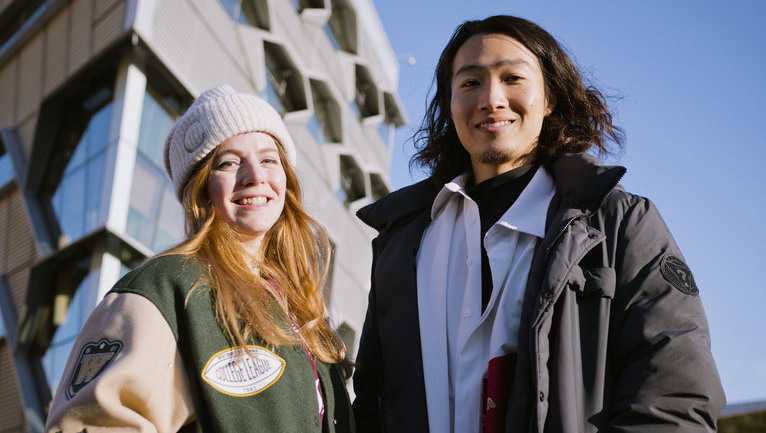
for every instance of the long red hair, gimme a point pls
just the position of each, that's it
(295, 256)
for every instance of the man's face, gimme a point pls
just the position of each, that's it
(498, 103)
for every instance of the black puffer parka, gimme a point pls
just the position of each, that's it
(613, 334)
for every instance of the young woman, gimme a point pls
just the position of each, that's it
(228, 331)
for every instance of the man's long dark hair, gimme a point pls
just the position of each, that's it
(580, 119)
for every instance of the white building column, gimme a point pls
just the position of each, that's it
(119, 164)
(120, 159)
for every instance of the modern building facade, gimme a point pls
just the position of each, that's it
(88, 92)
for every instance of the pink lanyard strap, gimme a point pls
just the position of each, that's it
(320, 399)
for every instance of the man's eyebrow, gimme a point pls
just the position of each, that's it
(472, 67)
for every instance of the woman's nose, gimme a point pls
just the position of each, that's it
(250, 174)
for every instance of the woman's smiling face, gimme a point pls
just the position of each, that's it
(247, 185)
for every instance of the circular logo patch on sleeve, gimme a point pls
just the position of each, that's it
(678, 275)
(241, 373)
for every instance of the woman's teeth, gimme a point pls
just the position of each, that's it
(252, 201)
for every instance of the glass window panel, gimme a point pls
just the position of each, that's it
(351, 179)
(144, 196)
(93, 140)
(250, 14)
(155, 218)
(76, 200)
(284, 83)
(331, 35)
(340, 193)
(384, 129)
(320, 125)
(98, 131)
(146, 187)
(316, 129)
(243, 12)
(95, 170)
(6, 169)
(163, 240)
(57, 354)
(272, 96)
(71, 205)
(170, 224)
(231, 7)
(137, 226)
(335, 26)
(78, 158)
(156, 123)
(300, 5)
(365, 97)
(355, 109)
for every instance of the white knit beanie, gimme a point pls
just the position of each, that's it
(216, 115)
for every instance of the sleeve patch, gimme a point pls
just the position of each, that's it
(94, 358)
(678, 275)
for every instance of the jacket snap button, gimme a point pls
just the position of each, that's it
(547, 295)
(591, 236)
(542, 396)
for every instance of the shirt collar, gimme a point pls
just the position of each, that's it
(450, 190)
(528, 214)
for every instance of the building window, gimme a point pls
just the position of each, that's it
(365, 102)
(325, 121)
(2, 325)
(341, 27)
(69, 316)
(6, 169)
(300, 5)
(378, 186)
(393, 118)
(155, 217)
(248, 12)
(351, 186)
(76, 200)
(284, 84)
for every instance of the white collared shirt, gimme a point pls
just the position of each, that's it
(457, 339)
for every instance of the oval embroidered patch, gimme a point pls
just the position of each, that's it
(678, 275)
(241, 373)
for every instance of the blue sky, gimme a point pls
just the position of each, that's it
(690, 89)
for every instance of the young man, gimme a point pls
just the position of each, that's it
(519, 288)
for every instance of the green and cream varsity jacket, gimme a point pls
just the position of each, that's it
(150, 358)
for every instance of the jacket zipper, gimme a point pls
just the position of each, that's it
(571, 220)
